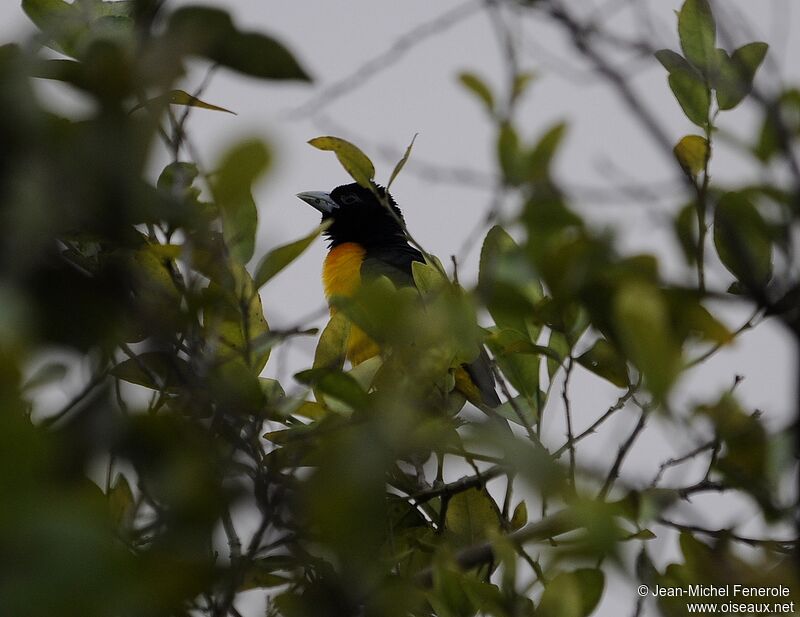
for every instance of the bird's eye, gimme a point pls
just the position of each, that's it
(348, 200)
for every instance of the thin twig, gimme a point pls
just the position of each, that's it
(672, 462)
(458, 486)
(76, 400)
(623, 451)
(568, 416)
(779, 546)
(620, 403)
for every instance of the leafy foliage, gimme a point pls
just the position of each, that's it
(348, 471)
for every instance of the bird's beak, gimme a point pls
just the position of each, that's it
(319, 200)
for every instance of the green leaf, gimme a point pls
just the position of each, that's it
(153, 369)
(688, 86)
(692, 316)
(509, 153)
(72, 28)
(642, 534)
(234, 319)
(272, 389)
(181, 97)
(354, 161)
(427, 278)
(734, 77)
(210, 33)
(472, 515)
(278, 258)
(523, 406)
(520, 516)
(572, 594)
(478, 87)
(743, 462)
(559, 347)
(364, 372)
(260, 575)
(743, 240)
(604, 361)
(522, 82)
(402, 162)
(686, 230)
(770, 136)
(692, 152)
(177, 180)
(642, 323)
(538, 160)
(232, 185)
(698, 32)
(332, 347)
(56, 18)
(336, 384)
(120, 502)
(312, 410)
(518, 359)
(693, 95)
(41, 12)
(507, 283)
(672, 61)
(259, 55)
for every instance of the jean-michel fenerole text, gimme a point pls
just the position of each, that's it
(721, 591)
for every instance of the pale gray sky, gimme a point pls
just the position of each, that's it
(419, 93)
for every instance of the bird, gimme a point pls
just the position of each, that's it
(367, 239)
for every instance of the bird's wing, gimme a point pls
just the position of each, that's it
(480, 372)
(393, 262)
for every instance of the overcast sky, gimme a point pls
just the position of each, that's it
(417, 92)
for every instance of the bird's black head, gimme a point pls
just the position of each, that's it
(357, 215)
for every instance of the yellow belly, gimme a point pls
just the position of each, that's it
(341, 276)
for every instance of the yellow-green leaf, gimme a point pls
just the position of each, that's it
(354, 161)
(521, 83)
(572, 594)
(692, 152)
(427, 278)
(332, 347)
(604, 361)
(260, 575)
(235, 319)
(644, 328)
(520, 516)
(743, 240)
(509, 154)
(120, 502)
(402, 162)
(539, 159)
(472, 515)
(180, 97)
(278, 258)
(478, 87)
(239, 169)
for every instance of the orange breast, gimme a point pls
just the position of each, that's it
(341, 276)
